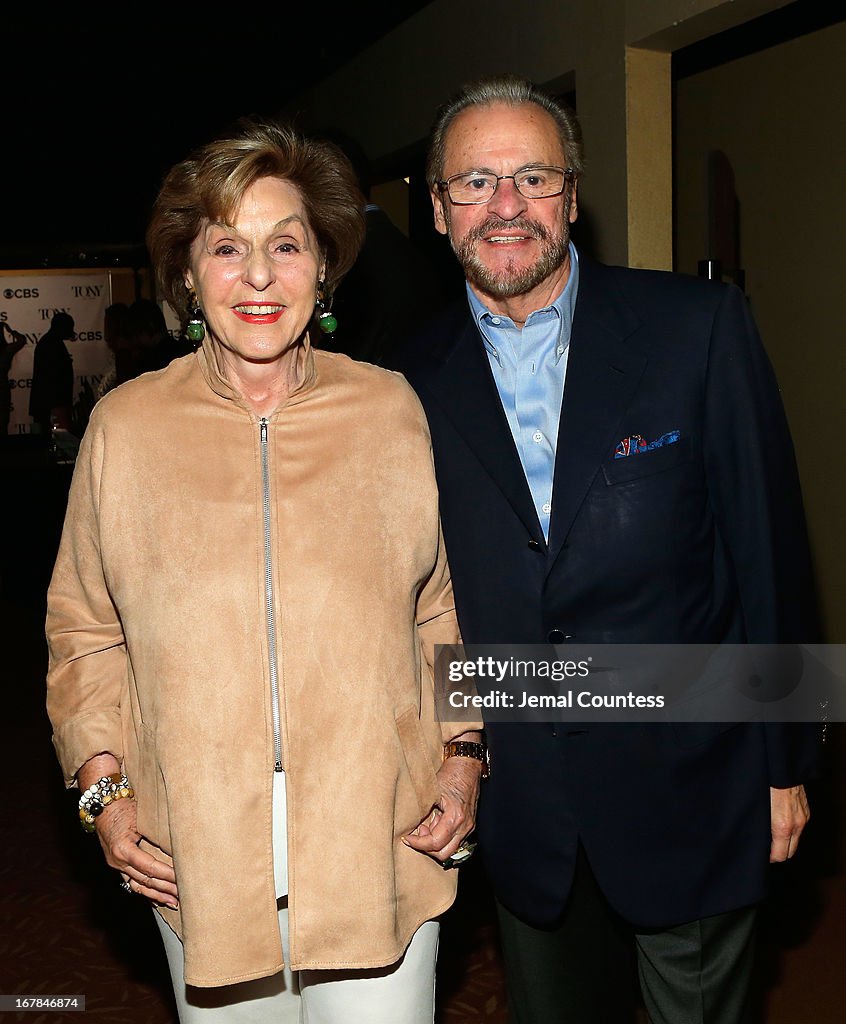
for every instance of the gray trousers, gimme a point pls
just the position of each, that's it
(586, 970)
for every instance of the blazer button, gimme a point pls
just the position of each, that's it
(535, 546)
(558, 636)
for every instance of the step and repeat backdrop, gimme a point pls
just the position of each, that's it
(28, 302)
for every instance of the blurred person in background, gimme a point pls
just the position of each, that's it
(11, 342)
(51, 396)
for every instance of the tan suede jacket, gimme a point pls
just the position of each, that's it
(210, 558)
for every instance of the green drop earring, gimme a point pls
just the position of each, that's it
(325, 319)
(196, 329)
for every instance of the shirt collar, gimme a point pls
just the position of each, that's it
(562, 307)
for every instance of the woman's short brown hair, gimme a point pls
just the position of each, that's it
(210, 184)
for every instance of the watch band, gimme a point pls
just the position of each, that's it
(466, 748)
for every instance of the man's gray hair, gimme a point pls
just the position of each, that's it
(513, 92)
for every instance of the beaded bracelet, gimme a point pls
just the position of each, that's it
(98, 796)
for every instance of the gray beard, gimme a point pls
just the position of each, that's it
(512, 281)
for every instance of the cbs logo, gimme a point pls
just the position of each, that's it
(20, 293)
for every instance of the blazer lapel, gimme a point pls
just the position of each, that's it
(464, 386)
(602, 375)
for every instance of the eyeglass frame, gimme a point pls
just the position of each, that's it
(570, 175)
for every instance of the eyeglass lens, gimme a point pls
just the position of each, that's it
(533, 183)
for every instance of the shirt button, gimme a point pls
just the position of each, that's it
(546, 507)
(537, 437)
(496, 320)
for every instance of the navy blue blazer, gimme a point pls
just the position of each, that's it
(700, 541)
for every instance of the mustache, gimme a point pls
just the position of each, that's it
(494, 224)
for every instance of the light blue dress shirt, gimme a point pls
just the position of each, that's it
(529, 368)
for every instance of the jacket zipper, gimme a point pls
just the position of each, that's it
(268, 600)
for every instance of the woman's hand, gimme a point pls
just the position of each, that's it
(116, 828)
(454, 815)
(119, 837)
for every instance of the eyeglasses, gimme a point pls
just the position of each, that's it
(472, 188)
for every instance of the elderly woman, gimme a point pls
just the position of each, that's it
(243, 613)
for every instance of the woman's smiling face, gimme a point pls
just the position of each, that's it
(256, 279)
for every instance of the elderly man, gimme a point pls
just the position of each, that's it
(615, 467)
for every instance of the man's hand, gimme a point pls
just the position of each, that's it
(454, 815)
(789, 814)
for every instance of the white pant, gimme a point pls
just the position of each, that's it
(403, 993)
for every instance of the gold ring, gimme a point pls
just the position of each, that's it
(463, 853)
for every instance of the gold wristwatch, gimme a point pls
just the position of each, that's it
(466, 748)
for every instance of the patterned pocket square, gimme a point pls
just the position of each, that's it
(635, 444)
